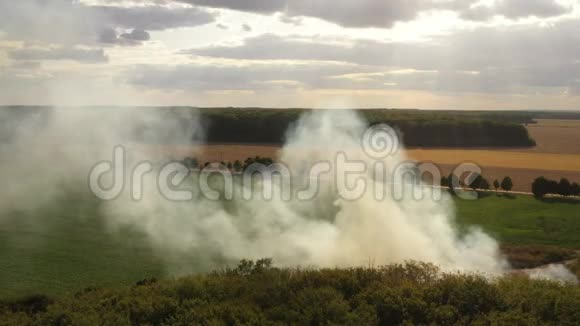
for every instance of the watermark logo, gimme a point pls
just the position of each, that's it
(380, 141)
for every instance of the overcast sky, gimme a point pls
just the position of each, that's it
(432, 54)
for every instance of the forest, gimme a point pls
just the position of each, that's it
(416, 128)
(268, 126)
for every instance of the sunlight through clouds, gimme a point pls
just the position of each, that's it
(469, 53)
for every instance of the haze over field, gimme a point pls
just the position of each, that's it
(464, 54)
(327, 230)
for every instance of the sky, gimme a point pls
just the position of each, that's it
(430, 54)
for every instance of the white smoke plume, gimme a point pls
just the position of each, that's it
(45, 150)
(553, 272)
(49, 155)
(326, 231)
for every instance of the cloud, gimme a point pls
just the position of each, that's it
(134, 37)
(73, 54)
(486, 47)
(490, 59)
(246, 28)
(137, 35)
(70, 22)
(257, 6)
(486, 58)
(57, 21)
(348, 13)
(515, 9)
(252, 77)
(274, 47)
(384, 14)
(152, 17)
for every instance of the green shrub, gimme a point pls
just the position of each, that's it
(255, 293)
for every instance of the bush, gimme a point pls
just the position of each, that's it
(543, 186)
(255, 293)
(507, 184)
(564, 187)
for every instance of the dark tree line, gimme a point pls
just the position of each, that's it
(254, 125)
(543, 186)
(270, 126)
(237, 166)
(478, 183)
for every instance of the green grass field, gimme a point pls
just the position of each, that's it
(69, 249)
(523, 220)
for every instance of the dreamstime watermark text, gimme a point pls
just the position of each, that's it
(374, 168)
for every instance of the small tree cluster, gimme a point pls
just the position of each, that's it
(507, 184)
(190, 162)
(257, 160)
(479, 183)
(237, 166)
(543, 186)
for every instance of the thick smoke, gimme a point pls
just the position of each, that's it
(50, 153)
(325, 231)
(553, 272)
(47, 152)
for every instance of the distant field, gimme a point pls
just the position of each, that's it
(557, 155)
(487, 158)
(556, 136)
(67, 248)
(522, 167)
(523, 220)
(497, 158)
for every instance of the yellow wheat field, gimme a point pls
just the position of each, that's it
(498, 158)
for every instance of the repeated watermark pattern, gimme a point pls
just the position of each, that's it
(381, 172)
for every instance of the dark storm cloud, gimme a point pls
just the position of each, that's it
(79, 55)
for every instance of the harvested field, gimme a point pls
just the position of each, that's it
(233, 152)
(485, 158)
(556, 136)
(498, 158)
(557, 155)
(522, 167)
